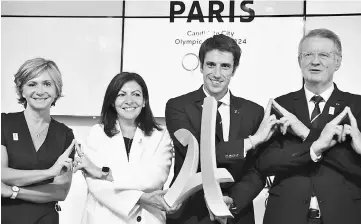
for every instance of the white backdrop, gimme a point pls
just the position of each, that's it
(269, 56)
(348, 28)
(88, 52)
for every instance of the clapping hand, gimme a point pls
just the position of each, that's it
(289, 122)
(63, 164)
(352, 131)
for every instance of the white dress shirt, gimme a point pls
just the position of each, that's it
(311, 105)
(224, 111)
(325, 95)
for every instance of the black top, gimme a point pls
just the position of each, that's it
(128, 144)
(15, 136)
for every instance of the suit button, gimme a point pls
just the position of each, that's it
(139, 218)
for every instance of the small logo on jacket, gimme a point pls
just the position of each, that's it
(331, 111)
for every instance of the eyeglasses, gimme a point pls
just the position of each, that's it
(312, 55)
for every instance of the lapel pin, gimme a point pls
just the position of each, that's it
(331, 110)
(15, 137)
(337, 104)
(236, 112)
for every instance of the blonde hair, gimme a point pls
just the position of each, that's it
(33, 68)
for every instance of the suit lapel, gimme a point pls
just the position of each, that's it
(300, 107)
(136, 149)
(117, 156)
(194, 110)
(199, 104)
(236, 112)
(336, 101)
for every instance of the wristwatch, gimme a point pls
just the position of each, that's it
(105, 172)
(233, 209)
(15, 191)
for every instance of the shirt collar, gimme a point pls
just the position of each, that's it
(226, 99)
(325, 94)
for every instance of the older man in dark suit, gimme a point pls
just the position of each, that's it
(241, 128)
(316, 157)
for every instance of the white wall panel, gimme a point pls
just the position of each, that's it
(156, 49)
(87, 52)
(348, 28)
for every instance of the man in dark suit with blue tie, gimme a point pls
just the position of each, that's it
(241, 128)
(316, 157)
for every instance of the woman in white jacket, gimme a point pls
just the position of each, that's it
(126, 158)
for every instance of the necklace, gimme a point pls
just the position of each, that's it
(33, 130)
(42, 132)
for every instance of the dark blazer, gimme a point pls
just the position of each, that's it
(245, 116)
(335, 179)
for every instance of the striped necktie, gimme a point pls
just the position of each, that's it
(316, 111)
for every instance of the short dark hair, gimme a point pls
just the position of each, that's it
(222, 43)
(31, 69)
(324, 33)
(145, 120)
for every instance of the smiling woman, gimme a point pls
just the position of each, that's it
(129, 102)
(38, 79)
(35, 149)
(126, 158)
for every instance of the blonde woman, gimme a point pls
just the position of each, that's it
(35, 149)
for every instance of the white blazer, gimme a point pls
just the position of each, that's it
(150, 159)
